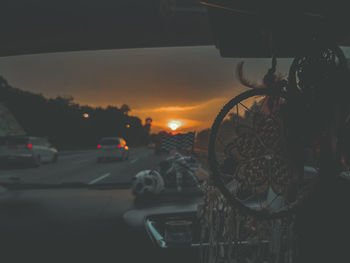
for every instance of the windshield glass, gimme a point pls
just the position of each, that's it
(135, 99)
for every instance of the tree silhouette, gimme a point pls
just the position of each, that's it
(125, 109)
(61, 119)
(148, 124)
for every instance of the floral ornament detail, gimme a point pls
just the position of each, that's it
(260, 151)
(220, 223)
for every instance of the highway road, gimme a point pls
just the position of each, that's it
(82, 167)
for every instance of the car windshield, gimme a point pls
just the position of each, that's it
(70, 105)
(73, 104)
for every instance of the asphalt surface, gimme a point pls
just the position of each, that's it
(82, 166)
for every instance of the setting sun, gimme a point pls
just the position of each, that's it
(174, 124)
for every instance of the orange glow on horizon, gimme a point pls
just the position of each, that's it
(174, 124)
(194, 117)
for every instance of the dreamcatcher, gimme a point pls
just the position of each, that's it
(257, 155)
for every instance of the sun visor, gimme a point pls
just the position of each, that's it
(258, 29)
(42, 26)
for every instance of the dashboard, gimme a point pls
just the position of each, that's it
(77, 225)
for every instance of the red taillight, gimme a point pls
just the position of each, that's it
(29, 146)
(119, 146)
(98, 146)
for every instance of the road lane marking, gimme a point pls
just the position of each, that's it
(100, 178)
(134, 160)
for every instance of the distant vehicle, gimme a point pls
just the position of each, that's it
(26, 150)
(112, 148)
(151, 145)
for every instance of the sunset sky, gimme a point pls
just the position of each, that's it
(189, 84)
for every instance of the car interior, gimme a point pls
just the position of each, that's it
(231, 115)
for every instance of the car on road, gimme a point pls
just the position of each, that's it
(112, 148)
(26, 150)
(151, 145)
